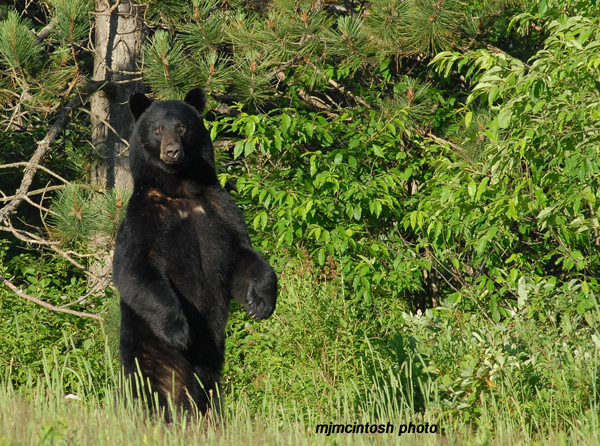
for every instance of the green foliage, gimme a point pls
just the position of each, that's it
(333, 187)
(439, 27)
(527, 213)
(19, 50)
(79, 215)
(473, 362)
(316, 362)
(375, 183)
(316, 345)
(272, 49)
(164, 67)
(32, 335)
(203, 34)
(33, 75)
(72, 20)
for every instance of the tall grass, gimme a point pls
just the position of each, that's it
(316, 363)
(42, 414)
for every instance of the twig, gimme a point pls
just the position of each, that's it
(39, 206)
(33, 192)
(45, 169)
(497, 50)
(458, 149)
(63, 118)
(114, 7)
(29, 237)
(45, 32)
(26, 236)
(43, 217)
(445, 141)
(315, 102)
(50, 307)
(103, 121)
(349, 93)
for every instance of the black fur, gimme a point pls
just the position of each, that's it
(182, 253)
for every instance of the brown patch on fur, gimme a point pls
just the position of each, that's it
(184, 206)
(214, 201)
(156, 195)
(166, 378)
(183, 190)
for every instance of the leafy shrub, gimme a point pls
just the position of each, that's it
(32, 336)
(315, 347)
(519, 367)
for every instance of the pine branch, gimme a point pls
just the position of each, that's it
(50, 307)
(63, 118)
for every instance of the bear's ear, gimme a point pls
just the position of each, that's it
(138, 103)
(197, 99)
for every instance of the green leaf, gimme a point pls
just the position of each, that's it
(468, 118)
(238, 149)
(286, 121)
(544, 213)
(377, 150)
(321, 256)
(472, 189)
(482, 188)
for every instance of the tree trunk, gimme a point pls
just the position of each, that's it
(118, 40)
(118, 44)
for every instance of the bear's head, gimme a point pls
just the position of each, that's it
(170, 135)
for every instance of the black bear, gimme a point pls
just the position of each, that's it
(182, 253)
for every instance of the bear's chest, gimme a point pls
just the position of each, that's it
(187, 220)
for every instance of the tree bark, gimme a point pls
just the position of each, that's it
(118, 40)
(119, 34)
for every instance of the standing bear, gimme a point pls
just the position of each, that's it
(182, 253)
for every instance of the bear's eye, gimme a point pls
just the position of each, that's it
(181, 128)
(158, 130)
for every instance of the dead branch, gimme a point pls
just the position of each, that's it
(43, 217)
(445, 141)
(50, 307)
(39, 206)
(315, 102)
(45, 32)
(349, 93)
(457, 149)
(25, 163)
(28, 237)
(63, 118)
(33, 192)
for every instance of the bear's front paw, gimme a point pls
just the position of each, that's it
(176, 332)
(261, 295)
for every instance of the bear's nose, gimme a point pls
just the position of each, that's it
(173, 153)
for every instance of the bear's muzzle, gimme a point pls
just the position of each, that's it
(171, 154)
